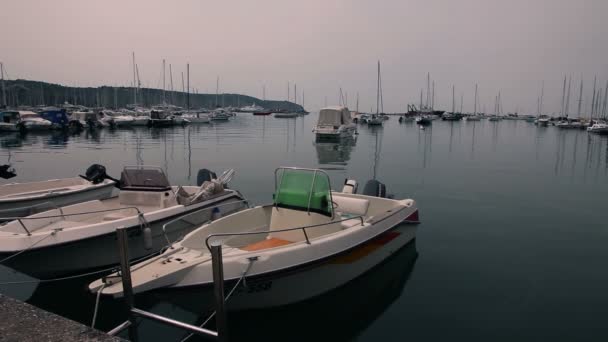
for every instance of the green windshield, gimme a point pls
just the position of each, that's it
(295, 190)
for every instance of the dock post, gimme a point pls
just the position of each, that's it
(218, 290)
(125, 272)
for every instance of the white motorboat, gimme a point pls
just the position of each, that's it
(82, 236)
(22, 199)
(220, 115)
(86, 119)
(307, 227)
(599, 128)
(334, 123)
(542, 120)
(119, 119)
(30, 121)
(567, 124)
(251, 109)
(197, 117)
(424, 120)
(374, 120)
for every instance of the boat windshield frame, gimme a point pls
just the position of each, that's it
(278, 182)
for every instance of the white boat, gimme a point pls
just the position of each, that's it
(22, 199)
(79, 237)
(141, 119)
(567, 124)
(8, 121)
(599, 128)
(374, 120)
(119, 119)
(220, 115)
(542, 120)
(306, 227)
(197, 117)
(86, 119)
(334, 123)
(473, 118)
(31, 121)
(251, 109)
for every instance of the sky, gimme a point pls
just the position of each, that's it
(321, 45)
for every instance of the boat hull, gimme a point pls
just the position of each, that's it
(19, 207)
(101, 250)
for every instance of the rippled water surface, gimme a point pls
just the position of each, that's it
(512, 244)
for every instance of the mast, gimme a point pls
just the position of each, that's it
(605, 100)
(433, 98)
(542, 93)
(568, 97)
(580, 98)
(217, 91)
(134, 81)
(188, 85)
(378, 92)
(302, 98)
(171, 83)
(357, 102)
(421, 91)
(164, 82)
(461, 101)
(295, 93)
(475, 105)
(593, 98)
(3, 86)
(563, 97)
(453, 100)
(288, 90)
(183, 90)
(428, 89)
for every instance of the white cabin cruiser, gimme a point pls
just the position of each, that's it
(598, 127)
(30, 121)
(197, 117)
(79, 237)
(220, 115)
(307, 227)
(22, 199)
(334, 123)
(120, 119)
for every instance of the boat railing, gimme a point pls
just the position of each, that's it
(303, 228)
(64, 215)
(182, 218)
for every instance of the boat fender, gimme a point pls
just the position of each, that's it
(374, 188)
(350, 186)
(147, 238)
(204, 175)
(215, 214)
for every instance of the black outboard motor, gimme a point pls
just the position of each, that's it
(374, 188)
(204, 175)
(95, 174)
(7, 172)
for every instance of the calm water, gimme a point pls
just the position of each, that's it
(512, 244)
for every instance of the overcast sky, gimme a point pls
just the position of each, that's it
(321, 45)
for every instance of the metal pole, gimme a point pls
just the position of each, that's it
(125, 271)
(218, 289)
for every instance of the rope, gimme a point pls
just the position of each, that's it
(97, 305)
(242, 278)
(28, 248)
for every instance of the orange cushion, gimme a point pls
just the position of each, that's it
(265, 244)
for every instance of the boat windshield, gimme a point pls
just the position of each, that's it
(144, 179)
(303, 189)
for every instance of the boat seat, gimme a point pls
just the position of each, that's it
(266, 244)
(350, 205)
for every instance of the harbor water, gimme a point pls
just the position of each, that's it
(512, 244)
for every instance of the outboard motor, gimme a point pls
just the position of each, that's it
(350, 186)
(204, 175)
(95, 174)
(374, 188)
(7, 172)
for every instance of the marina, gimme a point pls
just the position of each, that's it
(514, 158)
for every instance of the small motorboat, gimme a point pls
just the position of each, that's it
(22, 199)
(8, 121)
(57, 116)
(599, 128)
(30, 121)
(424, 120)
(197, 118)
(79, 237)
(220, 115)
(306, 227)
(160, 118)
(404, 119)
(334, 123)
(375, 120)
(120, 120)
(569, 124)
(86, 120)
(542, 120)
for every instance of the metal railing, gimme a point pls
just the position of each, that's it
(132, 312)
(303, 228)
(63, 215)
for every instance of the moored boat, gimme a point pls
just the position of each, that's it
(307, 226)
(334, 123)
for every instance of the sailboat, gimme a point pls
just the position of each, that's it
(376, 119)
(474, 117)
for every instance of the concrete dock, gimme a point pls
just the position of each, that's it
(20, 321)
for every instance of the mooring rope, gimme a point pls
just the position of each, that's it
(28, 248)
(97, 305)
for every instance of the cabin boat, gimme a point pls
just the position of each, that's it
(86, 119)
(220, 115)
(598, 127)
(159, 118)
(22, 199)
(424, 120)
(30, 121)
(334, 123)
(197, 117)
(119, 119)
(58, 117)
(251, 109)
(542, 120)
(374, 120)
(79, 237)
(569, 123)
(307, 226)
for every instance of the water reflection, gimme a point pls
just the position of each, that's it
(334, 153)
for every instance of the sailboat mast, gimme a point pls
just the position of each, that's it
(217, 91)
(461, 101)
(563, 97)
(453, 100)
(542, 93)
(421, 91)
(295, 93)
(568, 97)
(428, 89)
(605, 100)
(593, 98)
(183, 90)
(475, 105)
(164, 82)
(3, 86)
(171, 83)
(357, 109)
(580, 98)
(134, 81)
(433, 98)
(288, 90)
(378, 92)
(188, 86)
